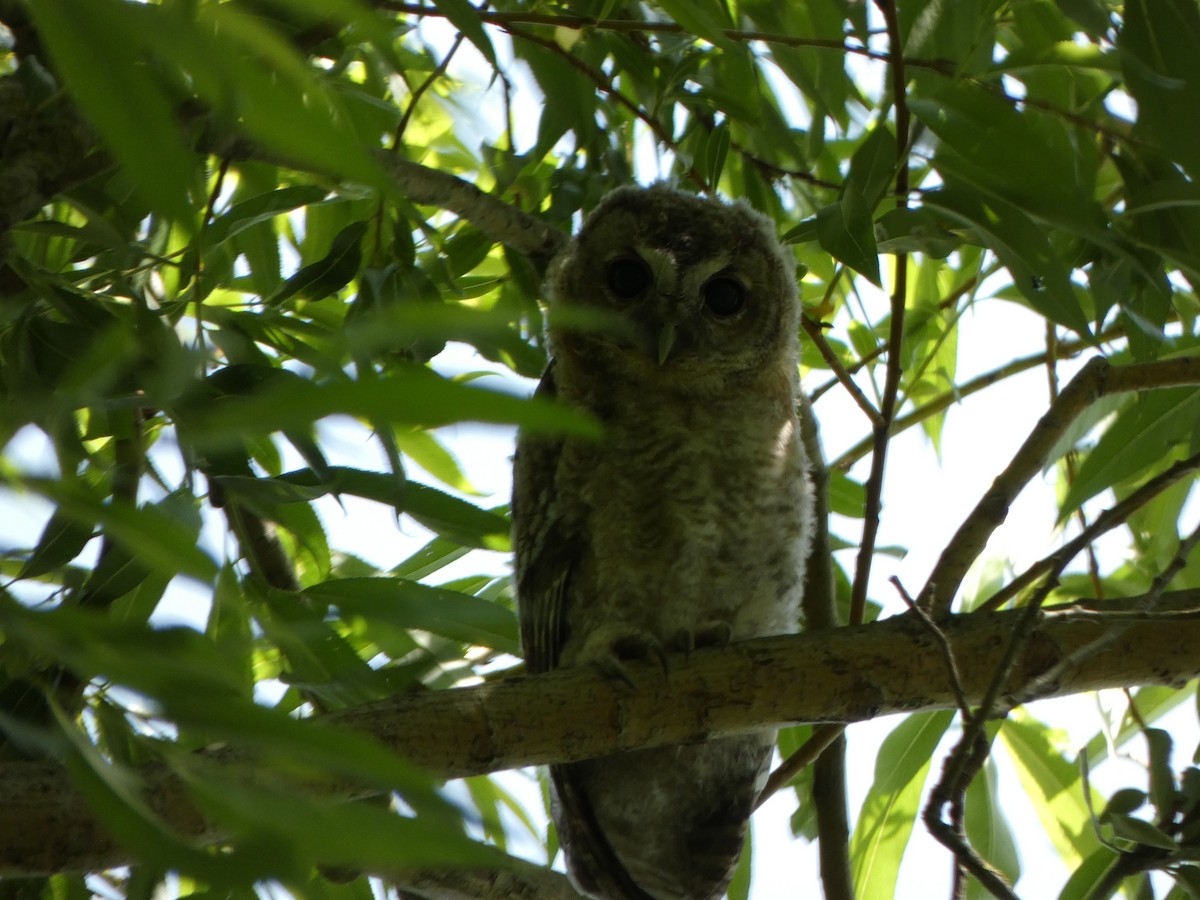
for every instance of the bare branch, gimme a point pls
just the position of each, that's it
(498, 220)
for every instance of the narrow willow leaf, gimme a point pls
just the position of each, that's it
(1141, 437)
(156, 534)
(436, 510)
(1022, 247)
(466, 19)
(411, 605)
(845, 230)
(1158, 56)
(703, 18)
(60, 542)
(873, 166)
(1053, 786)
(414, 396)
(264, 207)
(353, 834)
(988, 831)
(98, 49)
(1141, 832)
(332, 272)
(892, 805)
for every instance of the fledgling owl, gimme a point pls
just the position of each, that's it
(687, 523)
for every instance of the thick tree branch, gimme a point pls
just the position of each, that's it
(843, 675)
(498, 220)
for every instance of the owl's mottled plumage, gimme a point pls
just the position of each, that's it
(686, 523)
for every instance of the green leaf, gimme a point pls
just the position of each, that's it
(61, 541)
(411, 395)
(920, 230)
(845, 230)
(1053, 787)
(1021, 246)
(98, 49)
(410, 605)
(873, 166)
(301, 830)
(893, 803)
(1142, 437)
(703, 18)
(1024, 158)
(465, 18)
(436, 510)
(159, 535)
(1123, 802)
(846, 496)
(255, 75)
(158, 662)
(1142, 833)
(988, 831)
(332, 272)
(1158, 56)
(1088, 875)
(262, 208)
(1162, 779)
(430, 454)
(716, 149)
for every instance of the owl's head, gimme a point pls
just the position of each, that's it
(694, 288)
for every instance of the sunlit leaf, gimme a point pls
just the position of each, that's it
(1141, 437)
(892, 805)
(413, 605)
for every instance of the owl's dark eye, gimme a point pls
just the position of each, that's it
(724, 296)
(628, 277)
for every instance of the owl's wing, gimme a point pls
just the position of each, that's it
(547, 550)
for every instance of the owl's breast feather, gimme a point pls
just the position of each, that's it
(692, 514)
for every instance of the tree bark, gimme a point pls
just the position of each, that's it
(843, 675)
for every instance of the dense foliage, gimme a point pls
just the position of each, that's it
(215, 281)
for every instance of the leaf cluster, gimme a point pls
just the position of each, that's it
(212, 283)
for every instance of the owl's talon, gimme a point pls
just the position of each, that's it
(716, 633)
(610, 667)
(640, 645)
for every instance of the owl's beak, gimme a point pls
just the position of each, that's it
(666, 340)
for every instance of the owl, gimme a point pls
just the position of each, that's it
(685, 524)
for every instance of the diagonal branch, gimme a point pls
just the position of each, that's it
(1095, 380)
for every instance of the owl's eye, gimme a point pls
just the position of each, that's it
(724, 296)
(628, 277)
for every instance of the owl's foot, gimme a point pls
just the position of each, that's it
(608, 648)
(713, 633)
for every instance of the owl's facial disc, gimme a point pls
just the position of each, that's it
(670, 302)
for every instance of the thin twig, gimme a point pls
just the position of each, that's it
(626, 26)
(891, 385)
(425, 85)
(801, 759)
(1064, 350)
(951, 834)
(943, 642)
(817, 336)
(606, 86)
